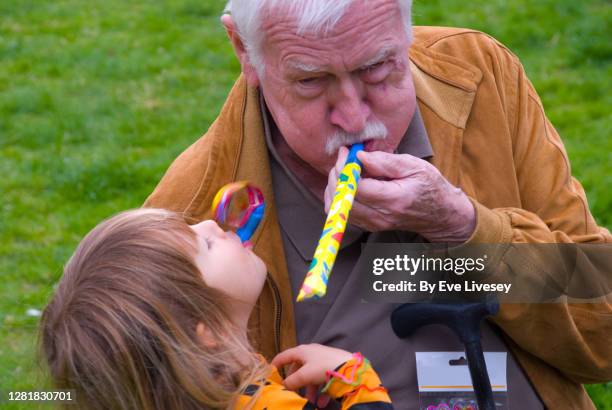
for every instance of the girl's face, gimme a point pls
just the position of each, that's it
(227, 265)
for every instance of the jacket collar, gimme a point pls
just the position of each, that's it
(445, 89)
(446, 85)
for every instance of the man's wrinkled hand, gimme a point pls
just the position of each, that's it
(402, 192)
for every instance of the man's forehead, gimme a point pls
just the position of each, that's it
(379, 34)
(310, 64)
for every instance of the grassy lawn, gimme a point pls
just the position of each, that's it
(97, 98)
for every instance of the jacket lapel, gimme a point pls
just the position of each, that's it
(253, 165)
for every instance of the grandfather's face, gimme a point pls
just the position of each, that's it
(353, 84)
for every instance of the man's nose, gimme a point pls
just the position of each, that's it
(349, 109)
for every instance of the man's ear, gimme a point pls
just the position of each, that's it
(247, 68)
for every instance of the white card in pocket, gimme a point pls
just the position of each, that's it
(445, 383)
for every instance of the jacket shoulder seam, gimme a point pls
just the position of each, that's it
(467, 32)
(449, 35)
(568, 179)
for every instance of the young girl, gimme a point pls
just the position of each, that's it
(152, 313)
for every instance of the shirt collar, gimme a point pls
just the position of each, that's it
(301, 215)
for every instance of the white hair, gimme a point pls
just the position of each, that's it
(312, 15)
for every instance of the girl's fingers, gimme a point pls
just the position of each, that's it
(301, 378)
(287, 356)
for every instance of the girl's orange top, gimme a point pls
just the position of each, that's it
(354, 384)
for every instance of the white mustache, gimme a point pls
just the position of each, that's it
(373, 130)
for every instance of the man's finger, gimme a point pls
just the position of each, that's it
(375, 192)
(381, 164)
(334, 173)
(332, 178)
(330, 189)
(327, 199)
(368, 218)
(342, 155)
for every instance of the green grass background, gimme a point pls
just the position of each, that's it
(97, 97)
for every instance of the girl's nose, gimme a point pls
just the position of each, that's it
(208, 226)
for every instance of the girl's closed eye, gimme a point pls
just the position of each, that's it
(209, 242)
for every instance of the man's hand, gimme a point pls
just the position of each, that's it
(310, 362)
(402, 192)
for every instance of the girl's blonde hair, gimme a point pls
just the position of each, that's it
(121, 326)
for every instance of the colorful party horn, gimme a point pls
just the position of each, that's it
(241, 206)
(315, 283)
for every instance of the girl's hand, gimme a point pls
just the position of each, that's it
(309, 364)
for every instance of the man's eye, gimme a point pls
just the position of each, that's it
(376, 73)
(373, 67)
(310, 81)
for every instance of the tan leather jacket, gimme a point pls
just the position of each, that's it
(490, 137)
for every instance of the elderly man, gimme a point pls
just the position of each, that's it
(457, 149)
